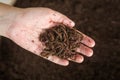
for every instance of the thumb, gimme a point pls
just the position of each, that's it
(62, 19)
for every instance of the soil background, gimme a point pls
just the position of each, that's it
(99, 19)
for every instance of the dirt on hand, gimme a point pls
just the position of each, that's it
(61, 41)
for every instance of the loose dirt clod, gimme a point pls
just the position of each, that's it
(61, 41)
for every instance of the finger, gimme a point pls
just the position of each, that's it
(58, 60)
(51, 58)
(62, 19)
(77, 58)
(85, 50)
(87, 40)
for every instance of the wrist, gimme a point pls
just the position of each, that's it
(7, 15)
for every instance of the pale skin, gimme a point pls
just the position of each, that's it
(23, 26)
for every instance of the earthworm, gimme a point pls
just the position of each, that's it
(61, 41)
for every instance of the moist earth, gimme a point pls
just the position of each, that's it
(99, 19)
(61, 41)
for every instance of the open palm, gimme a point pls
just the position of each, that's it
(30, 22)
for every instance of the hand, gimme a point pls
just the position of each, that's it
(29, 23)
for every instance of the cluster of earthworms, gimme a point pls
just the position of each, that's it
(60, 41)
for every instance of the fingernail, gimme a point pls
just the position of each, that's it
(72, 24)
(90, 53)
(66, 63)
(93, 44)
(63, 62)
(80, 60)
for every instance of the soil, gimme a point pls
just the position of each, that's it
(61, 41)
(99, 19)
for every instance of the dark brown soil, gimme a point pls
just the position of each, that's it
(61, 41)
(99, 19)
